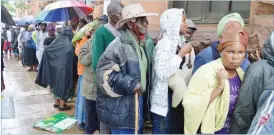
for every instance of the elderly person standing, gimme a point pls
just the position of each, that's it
(30, 49)
(256, 88)
(122, 72)
(51, 35)
(166, 62)
(211, 53)
(209, 104)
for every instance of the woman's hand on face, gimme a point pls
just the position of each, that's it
(222, 75)
(185, 50)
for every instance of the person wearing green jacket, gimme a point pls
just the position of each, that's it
(103, 36)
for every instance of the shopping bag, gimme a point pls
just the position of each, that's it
(7, 105)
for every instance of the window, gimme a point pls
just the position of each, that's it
(211, 11)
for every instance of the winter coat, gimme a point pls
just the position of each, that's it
(117, 74)
(255, 80)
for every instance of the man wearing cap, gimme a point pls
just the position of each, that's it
(211, 53)
(122, 75)
(190, 30)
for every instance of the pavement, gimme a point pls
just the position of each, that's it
(32, 102)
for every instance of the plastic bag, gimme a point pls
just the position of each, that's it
(7, 106)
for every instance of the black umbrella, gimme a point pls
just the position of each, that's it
(6, 17)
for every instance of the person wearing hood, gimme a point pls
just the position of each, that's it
(168, 56)
(254, 85)
(211, 53)
(122, 74)
(212, 91)
(57, 69)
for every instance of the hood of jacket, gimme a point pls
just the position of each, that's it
(268, 50)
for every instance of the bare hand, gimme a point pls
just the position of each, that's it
(87, 33)
(222, 76)
(138, 88)
(185, 50)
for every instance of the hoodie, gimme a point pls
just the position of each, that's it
(255, 81)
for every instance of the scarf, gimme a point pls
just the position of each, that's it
(143, 63)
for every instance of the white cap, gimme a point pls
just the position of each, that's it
(190, 24)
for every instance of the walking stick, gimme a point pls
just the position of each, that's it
(136, 113)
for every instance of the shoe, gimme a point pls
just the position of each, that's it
(66, 108)
(20, 63)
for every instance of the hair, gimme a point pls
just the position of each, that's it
(114, 6)
(83, 21)
(43, 24)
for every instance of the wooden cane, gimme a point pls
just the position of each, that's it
(136, 113)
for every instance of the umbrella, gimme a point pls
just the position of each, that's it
(64, 10)
(28, 19)
(81, 32)
(6, 17)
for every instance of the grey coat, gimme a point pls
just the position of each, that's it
(88, 84)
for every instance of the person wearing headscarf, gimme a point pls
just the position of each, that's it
(51, 35)
(30, 50)
(212, 91)
(256, 88)
(211, 53)
(167, 60)
(122, 74)
(58, 29)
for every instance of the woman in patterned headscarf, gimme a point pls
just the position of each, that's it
(214, 87)
(167, 58)
(51, 38)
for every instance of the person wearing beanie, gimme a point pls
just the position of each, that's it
(211, 53)
(209, 106)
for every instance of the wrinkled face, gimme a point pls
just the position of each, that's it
(183, 28)
(140, 25)
(115, 16)
(233, 56)
(189, 34)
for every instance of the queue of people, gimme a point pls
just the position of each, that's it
(124, 80)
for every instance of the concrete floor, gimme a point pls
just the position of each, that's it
(32, 103)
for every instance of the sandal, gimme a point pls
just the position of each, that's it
(65, 108)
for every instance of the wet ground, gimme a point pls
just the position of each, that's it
(32, 103)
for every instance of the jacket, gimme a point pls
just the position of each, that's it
(117, 74)
(88, 85)
(80, 67)
(263, 122)
(256, 79)
(198, 111)
(209, 54)
(165, 61)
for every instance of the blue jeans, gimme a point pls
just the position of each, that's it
(141, 122)
(173, 123)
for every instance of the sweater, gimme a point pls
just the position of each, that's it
(88, 85)
(102, 38)
(79, 45)
(197, 110)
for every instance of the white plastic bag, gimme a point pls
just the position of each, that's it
(7, 105)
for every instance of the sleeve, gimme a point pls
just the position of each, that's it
(196, 100)
(84, 56)
(199, 61)
(165, 63)
(97, 47)
(110, 79)
(246, 106)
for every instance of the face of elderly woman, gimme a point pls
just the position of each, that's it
(233, 56)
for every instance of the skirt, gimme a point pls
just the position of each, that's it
(80, 113)
(30, 57)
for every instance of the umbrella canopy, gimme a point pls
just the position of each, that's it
(6, 17)
(28, 19)
(64, 10)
